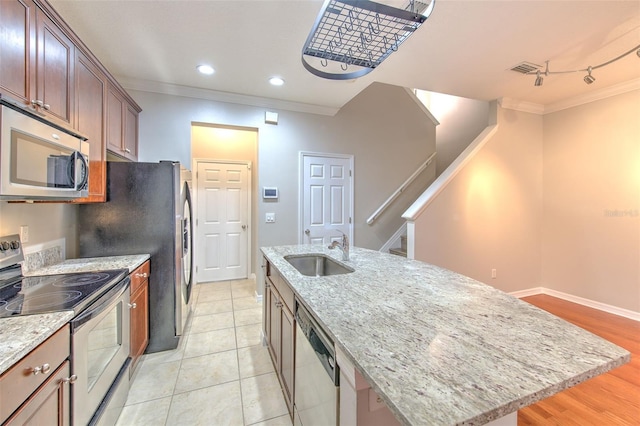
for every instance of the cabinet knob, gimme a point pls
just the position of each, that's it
(46, 106)
(142, 275)
(127, 150)
(71, 379)
(133, 305)
(44, 369)
(279, 304)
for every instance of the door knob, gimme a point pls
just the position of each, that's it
(307, 232)
(244, 227)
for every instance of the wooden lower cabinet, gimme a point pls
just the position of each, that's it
(49, 405)
(139, 319)
(35, 390)
(280, 331)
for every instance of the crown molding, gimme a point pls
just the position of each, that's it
(232, 98)
(523, 106)
(607, 92)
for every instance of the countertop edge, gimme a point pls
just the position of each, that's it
(35, 329)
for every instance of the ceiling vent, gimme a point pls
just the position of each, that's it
(526, 67)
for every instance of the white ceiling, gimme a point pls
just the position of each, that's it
(465, 48)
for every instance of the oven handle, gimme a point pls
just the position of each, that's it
(111, 296)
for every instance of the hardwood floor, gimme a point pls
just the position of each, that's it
(609, 399)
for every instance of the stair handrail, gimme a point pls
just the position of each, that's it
(399, 191)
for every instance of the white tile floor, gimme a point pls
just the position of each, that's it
(220, 374)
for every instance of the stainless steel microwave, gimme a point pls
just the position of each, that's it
(40, 161)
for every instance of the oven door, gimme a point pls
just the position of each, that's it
(99, 349)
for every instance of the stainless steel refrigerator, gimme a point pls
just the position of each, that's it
(148, 210)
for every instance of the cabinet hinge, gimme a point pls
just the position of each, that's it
(349, 220)
(349, 173)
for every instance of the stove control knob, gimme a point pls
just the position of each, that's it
(15, 245)
(4, 246)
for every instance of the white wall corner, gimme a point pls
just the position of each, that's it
(411, 239)
(423, 201)
(422, 106)
(523, 106)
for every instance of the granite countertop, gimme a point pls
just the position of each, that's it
(20, 335)
(439, 347)
(88, 264)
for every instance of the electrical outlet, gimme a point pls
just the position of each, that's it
(270, 218)
(493, 273)
(24, 234)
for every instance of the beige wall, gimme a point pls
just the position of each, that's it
(591, 243)
(46, 221)
(550, 201)
(383, 128)
(489, 216)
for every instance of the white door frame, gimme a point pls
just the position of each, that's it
(194, 165)
(301, 189)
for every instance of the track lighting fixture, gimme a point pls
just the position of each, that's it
(539, 79)
(587, 78)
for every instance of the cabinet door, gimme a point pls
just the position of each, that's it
(55, 59)
(275, 327)
(139, 323)
(17, 49)
(49, 405)
(90, 90)
(286, 355)
(115, 104)
(130, 146)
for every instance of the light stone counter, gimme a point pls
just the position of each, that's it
(89, 264)
(441, 348)
(20, 335)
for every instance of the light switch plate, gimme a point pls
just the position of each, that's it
(270, 217)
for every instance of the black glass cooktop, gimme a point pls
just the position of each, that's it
(50, 293)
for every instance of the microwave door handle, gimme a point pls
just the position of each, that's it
(84, 171)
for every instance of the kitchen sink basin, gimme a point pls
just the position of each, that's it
(317, 265)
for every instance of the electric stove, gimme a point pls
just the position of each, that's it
(74, 291)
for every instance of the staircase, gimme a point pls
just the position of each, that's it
(402, 250)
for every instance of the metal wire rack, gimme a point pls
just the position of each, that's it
(350, 38)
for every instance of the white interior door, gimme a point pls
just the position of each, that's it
(223, 191)
(327, 198)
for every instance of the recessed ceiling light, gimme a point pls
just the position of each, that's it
(276, 81)
(205, 69)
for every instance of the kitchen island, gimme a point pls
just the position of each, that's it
(439, 347)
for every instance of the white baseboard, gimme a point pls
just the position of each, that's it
(626, 313)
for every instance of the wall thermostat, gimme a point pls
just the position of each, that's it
(269, 192)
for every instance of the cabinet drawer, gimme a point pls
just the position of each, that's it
(19, 382)
(139, 276)
(283, 288)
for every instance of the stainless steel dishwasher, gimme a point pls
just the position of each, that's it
(317, 379)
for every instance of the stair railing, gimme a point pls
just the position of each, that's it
(399, 191)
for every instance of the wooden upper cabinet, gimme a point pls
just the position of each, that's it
(122, 125)
(17, 49)
(90, 119)
(54, 71)
(36, 60)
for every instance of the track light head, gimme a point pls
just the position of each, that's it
(539, 79)
(589, 78)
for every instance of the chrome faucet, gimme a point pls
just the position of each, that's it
(343, 246)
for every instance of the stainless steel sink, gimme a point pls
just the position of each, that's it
(317, 265)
